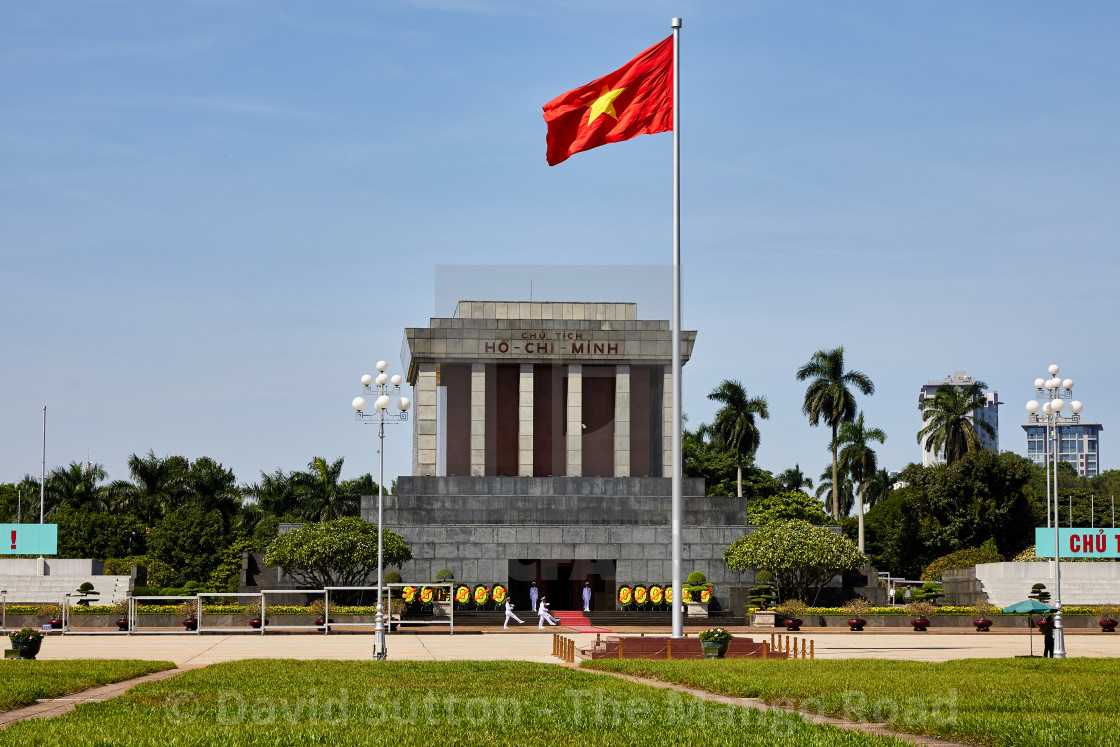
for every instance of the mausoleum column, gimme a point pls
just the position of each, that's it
(424, 429)
(478, 419)
(575, 421)
(622, 421)
(525, 421)
(667, 424)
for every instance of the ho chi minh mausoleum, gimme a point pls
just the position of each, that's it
(542, 452)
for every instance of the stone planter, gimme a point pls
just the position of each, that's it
(982, 626)
(763, 619)
(714, 650)
(441, 609)
(28, 649)
(697, 609)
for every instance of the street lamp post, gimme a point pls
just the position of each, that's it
(1056, 391)
(381, 386)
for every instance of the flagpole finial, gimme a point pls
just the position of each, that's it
(675, 23)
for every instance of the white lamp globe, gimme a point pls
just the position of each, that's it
(359, 403)
(1045, 408)
(382, 379)
(396, 380)
(382, 365)
(1049, 384)
(1067, 384)
(403, 404)
(1039, 383)
(1057, 405)
(1053, 369)
(367, 380)
(1075, 407)
(1032, 406)
(382, 402)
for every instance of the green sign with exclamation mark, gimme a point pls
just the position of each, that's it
(28, 539)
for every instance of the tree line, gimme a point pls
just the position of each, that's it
(183, 516)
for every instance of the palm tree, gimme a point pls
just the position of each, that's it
(322, 496)
(159, 484)
(734, 428)
(828, 398)
(794, 479)
(876, 488)
(950, 422)
(842, 499)
(859, 458)
(76, 486)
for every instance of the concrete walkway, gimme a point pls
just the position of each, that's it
(529, 644)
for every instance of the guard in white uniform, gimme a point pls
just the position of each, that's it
(587, 596)
(534, 594)
(542, 610)
(510, 615)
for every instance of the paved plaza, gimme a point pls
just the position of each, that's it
(530, 644)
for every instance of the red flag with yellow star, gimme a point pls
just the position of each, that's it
(636, 99)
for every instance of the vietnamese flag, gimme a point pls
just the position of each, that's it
(636, 99)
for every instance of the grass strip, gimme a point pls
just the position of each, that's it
(1004, 702)
(287, 702)
(24, 682)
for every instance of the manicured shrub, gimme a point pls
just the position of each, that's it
(959, 559)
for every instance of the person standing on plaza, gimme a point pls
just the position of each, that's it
(542, 610)
(534, 595)
(1047, 628)
(587, 596)
(510, 615)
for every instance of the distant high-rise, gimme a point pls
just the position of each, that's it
(1080, 444)
(989, 413)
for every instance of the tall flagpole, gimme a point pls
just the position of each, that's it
(678, 591)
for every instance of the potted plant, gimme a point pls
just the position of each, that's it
(53, 613)
(396, 611)
(188, 610)
(762, 593)
(1106, 617)
(856, 608)
(121, 610)
(86, 590)
(256, 613)
(26, 642)
(920, 612)
(318, 609)
(983, 611)
(714, 642)
(792, 612)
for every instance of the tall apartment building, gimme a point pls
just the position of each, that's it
(989, 414)
(1080, 443)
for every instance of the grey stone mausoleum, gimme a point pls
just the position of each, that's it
(542, 453)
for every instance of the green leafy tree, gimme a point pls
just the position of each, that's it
(949, 421)
(802, 557)
(96, 534)
(213, 487)
(275, 493)
(734, 428)
(790, 504)
(189, 540)
(341, 552)
(828, 399)
(719, 469)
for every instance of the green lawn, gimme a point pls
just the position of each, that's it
(24, 682)
(1007, 702)
(286, 702)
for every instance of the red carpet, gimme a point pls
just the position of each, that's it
(577, 621)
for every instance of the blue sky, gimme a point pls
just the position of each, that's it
(215, 216)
